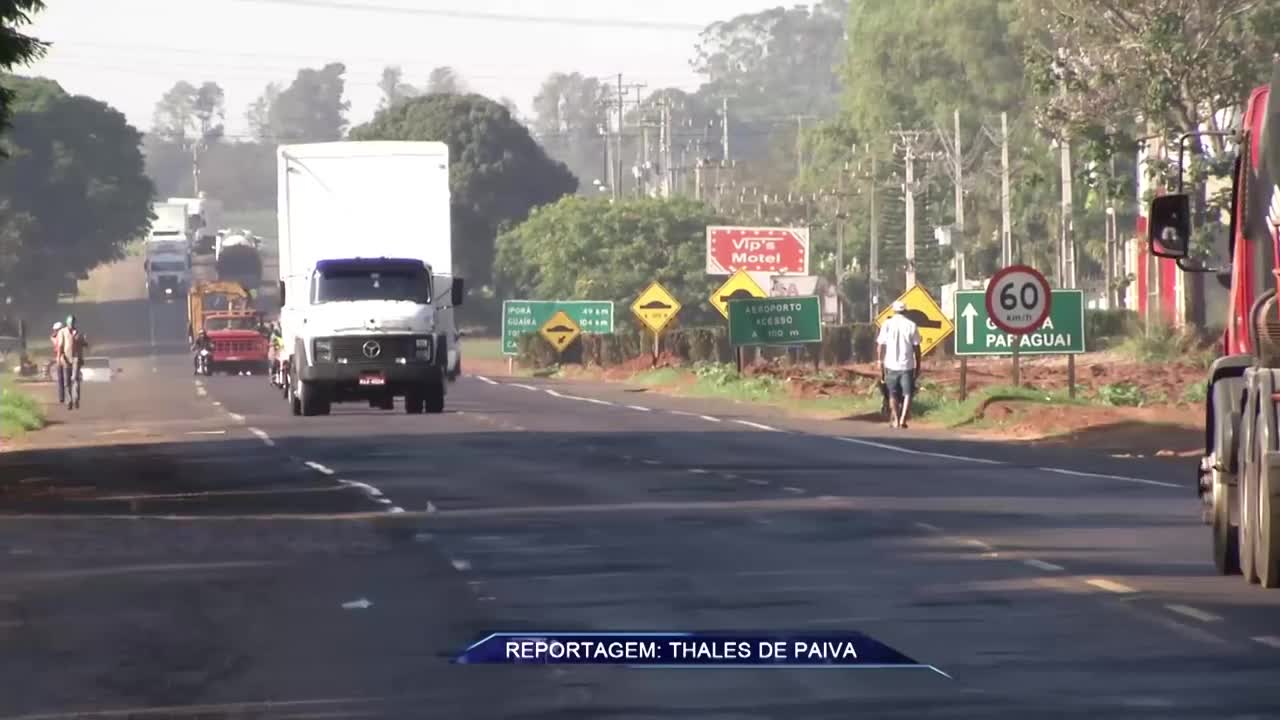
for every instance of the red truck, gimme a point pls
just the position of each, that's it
(1240, 469)
(238, 342)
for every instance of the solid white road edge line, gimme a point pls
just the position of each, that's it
(1268, 640)
(758, 426)
(709, 418)
(524, 387)
(1121, 478)
(237, 417)
(639, 408)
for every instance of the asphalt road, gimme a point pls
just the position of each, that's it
(185, 549)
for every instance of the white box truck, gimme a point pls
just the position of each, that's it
(167, 252)
(204, 216)
(360, 305)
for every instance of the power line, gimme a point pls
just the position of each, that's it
(482, 16)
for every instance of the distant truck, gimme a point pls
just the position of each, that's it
(238, 260)
(207, 297)
(360, 225)
(239, 344)
(203, 216)
(168, 271)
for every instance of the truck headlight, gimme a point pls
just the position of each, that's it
(324, 350)
(422, 348)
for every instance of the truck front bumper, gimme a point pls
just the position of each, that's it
(357, 381)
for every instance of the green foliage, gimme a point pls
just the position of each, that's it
(591, 249)
(1160, 343)
(16, 48)
(1195, 393)
(311, 109)
(1102, 326)
(19, 412)
(73, 193)
(1122, 394)
(497, 172)
(187, 111)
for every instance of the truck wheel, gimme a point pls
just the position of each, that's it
(1223, 491)
(435, 398)
(1267, 553)
(1249, 478)
(414, 402)
(295, 403)
(313, 400)
(387, 402)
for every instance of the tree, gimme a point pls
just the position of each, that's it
(776, 62)
(497, 172)
(394, 89)
(259, 113)
(311, 109)
(74, 193)
(1177, 63)
(445, 80)
(569, 112)
(591, 248)
(187, 111)
(16, 48)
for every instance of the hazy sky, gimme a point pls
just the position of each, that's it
(128, 52)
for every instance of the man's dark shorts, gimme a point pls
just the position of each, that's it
(901, 383)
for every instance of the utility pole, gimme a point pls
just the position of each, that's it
(873, 276)
(958, 240)
(617, 153)
(195, 167)
(1067, 246)
(1006, 229)
(724, 128)
(909, 142)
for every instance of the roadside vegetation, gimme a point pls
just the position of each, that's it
(19, 412)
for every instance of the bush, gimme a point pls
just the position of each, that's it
(1122, 394)
(700, 344)
(864, 342)
(1103, 325)
(19, 412)
(615, 348)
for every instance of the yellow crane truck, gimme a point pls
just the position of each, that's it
(217, 296)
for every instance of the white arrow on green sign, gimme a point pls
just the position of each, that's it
(1061, 334)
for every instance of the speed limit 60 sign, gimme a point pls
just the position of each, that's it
(1018, 299)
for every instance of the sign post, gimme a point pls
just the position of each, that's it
(655, 307)
(1018, 300)
(1061, 333)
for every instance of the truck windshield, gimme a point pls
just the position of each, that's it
(173, 266)
(230, 323)
(351, 284)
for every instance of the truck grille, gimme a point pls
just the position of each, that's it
(237, 346)
(351, 349)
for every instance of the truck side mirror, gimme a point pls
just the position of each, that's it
(456, 293)
(1169, 226)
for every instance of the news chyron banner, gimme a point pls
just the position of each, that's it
(676, 650)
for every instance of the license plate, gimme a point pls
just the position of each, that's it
(372, 380)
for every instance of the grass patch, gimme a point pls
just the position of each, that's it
(1160, 344)
(723, 382)
(19, 412)
(932, 403)
(483, 348)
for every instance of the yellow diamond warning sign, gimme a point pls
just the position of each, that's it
(739, 285)
(655, 307)
(560, 330)
(924, 311)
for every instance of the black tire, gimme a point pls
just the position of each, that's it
(1226, 534)
(387, 403)
(414, 403)
(1248, 534)
(434, 399)
(295, 403)
(313, 400)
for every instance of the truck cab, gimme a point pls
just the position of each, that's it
(369, 333)
(239, 345)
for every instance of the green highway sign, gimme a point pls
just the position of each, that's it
(1061, 334)
(775, 321)
(528, 316)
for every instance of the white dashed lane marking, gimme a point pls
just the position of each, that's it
(1268, 640)
(758, 426)
(1042, 565)
(486, 380)
(1194, 613)
(319, 468)
(1111, 586)
(639, 408)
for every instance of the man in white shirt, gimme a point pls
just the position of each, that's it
(899, 360)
